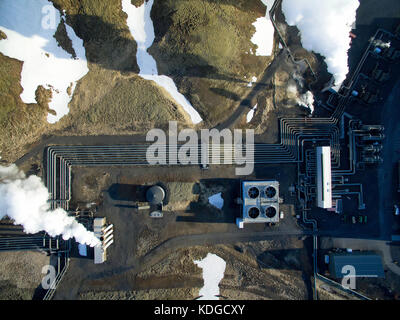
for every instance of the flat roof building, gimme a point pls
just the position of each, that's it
(260, 202)
(324, 177)
(366, 264)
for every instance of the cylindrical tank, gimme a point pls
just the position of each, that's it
(155, 194)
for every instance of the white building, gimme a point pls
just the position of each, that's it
(105, 235)
(324, 177)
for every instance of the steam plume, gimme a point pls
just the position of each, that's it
(324, 27)
(25, 200)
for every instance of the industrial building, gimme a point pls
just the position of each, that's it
(260, 201)
(105, 234)
(366, 264)
(324, 177)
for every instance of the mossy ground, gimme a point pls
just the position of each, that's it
(110, 99)
(107, 102)
(201, 44)
(19, 122)
(205, 47)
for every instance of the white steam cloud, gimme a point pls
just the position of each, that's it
(25, 200)
(324, 26)
(307, 101)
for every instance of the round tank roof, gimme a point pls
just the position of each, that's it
(155, 195)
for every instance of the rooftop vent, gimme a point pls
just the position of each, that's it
(270, 212)
(254, 212)
(253, 192)
(270, 192)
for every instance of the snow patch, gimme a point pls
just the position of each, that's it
(263, 38)
(268, 4)
(324, 27)
(213, 272)
(216, 200)
(250, 114)
(142, 30)
(45, 63)
(253, 79)
(264, 35)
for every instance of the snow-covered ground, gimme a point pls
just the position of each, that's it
(29, 27)
(324, 27)
(264, 35)
(216, 200)
(213, 272)
(250, 114)
(142, 30)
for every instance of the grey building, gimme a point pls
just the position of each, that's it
(366, 264)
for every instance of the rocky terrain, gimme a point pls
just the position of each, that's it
(261, 270)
